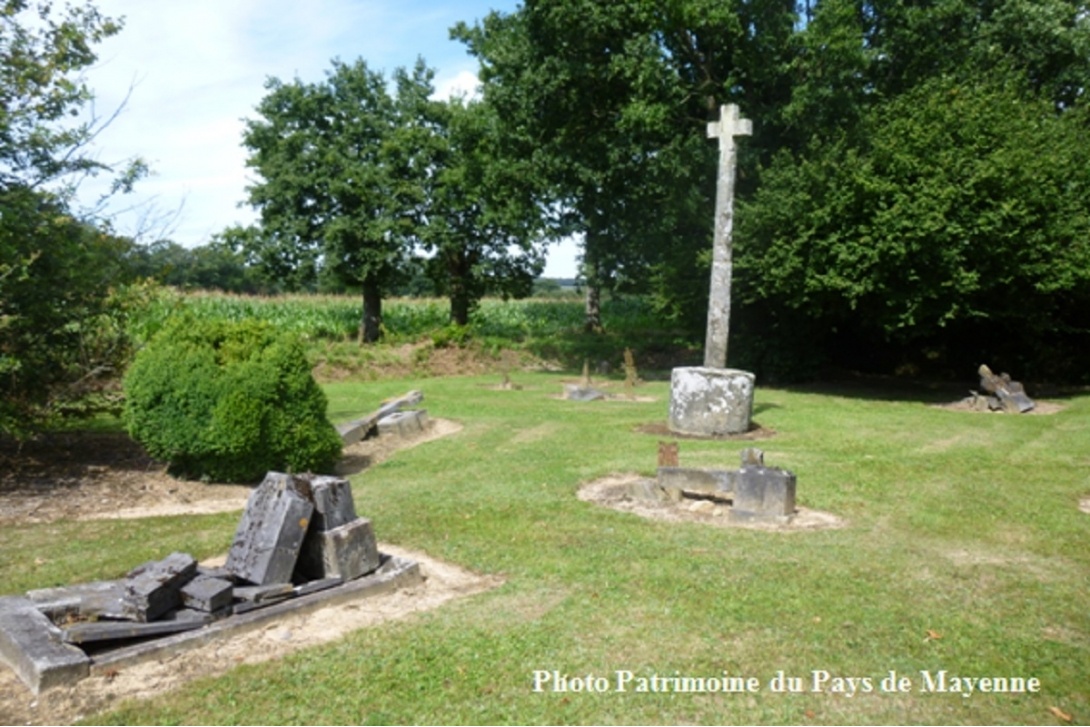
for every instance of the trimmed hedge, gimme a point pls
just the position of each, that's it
(228, 402)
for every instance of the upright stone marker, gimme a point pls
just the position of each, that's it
(712, 399)
(730, 125)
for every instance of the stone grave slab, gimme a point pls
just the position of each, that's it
(205, 593)
(31, 645)
(271, 532)
(333, 504)
(403, 423)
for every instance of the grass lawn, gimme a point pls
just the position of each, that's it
(965, 551)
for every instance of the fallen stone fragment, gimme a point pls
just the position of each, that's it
(348, 552)
(258, 594)
(403, 423)
(31, 645)
(333, 504)
(208, 594)
(155, 588)
(95, 631)
(322, 584)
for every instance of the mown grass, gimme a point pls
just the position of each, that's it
(964, 550)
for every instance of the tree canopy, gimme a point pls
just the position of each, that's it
(58, 335)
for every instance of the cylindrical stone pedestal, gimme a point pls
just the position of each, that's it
(709, 401)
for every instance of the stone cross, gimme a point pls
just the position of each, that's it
(730, 125)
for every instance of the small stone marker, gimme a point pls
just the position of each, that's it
(270, 532)
(668, 453)
(154, 588)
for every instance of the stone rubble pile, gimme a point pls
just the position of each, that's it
(298, 535)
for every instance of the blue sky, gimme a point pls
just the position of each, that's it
(197, 68)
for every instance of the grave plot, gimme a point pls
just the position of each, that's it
(299, 546)
(752, 496)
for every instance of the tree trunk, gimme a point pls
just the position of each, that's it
(371, 321)
(593, 308)
(592, 321)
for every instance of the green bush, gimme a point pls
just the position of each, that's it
(228, 401)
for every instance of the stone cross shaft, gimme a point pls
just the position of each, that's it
(730, 125)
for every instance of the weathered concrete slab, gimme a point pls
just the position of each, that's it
(347, 552)
(270, 532)
(710, 402)
(154, 588)
(763, 494)
(205, 593)
(31, 645)
(394, 573)
(695, 480)
(403, 423)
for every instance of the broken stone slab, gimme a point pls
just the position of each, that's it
(258, 594)
(95, 631)
(271, 531)
(154, 588)
(304, 589)
(577, 392)
(708, 401)
(394, 573)
(205, 593)
(31, 645)
(62, 602)
(697, 481)
(403, 423)
(354, 431)
(763, 494)
(347, 552)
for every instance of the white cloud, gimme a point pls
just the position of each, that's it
(196, 68)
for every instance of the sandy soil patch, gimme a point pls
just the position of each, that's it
(613, 492)
(65, 705)
(108, 476)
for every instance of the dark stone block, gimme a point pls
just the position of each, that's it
(270, 532)
(154, 588)
(333, 504)
(347, 552)
(208, 594)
